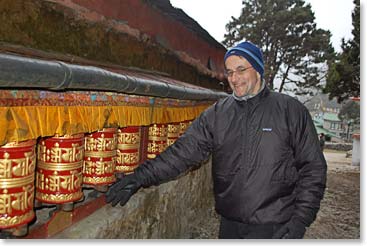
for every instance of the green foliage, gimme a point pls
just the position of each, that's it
(294, 50)
(343, 79)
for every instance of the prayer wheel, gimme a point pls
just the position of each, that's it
(183, 126)
(128, 149)
(157, 140)
(100, 159)
(59, 170)
(17, 175)
(173, 131)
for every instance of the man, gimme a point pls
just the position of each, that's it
(322, 141)
(268, 169)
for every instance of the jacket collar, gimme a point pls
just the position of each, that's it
(254, 99)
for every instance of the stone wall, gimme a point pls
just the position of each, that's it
(168, 211)
(339, 146)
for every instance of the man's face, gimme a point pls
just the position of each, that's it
(242, 77)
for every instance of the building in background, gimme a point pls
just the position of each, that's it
(324, 113)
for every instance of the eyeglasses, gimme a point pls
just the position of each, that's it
(240, 71)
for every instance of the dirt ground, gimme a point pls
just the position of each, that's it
(339, 215)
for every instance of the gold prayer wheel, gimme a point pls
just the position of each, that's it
(100, 158)
(59, 169)
(17, 175)
(128, 149)
(157, 140)
(173, 132)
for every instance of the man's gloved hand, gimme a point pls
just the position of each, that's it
(122, 190)
(293, 229)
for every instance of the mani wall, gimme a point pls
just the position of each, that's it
(88, 91)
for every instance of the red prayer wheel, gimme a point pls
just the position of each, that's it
(59, 169)
(157, 140)
(17, 175)
(173, 131)
(100, 158)
(128, 149)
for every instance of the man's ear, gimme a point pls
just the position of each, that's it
(258, 76)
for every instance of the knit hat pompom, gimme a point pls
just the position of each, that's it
(251, 53)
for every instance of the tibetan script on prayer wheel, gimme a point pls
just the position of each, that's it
(17, 175)
(173, 131)
(59, 169)
(157, 140)
(100, 157)
(183, 126)
(128, 148)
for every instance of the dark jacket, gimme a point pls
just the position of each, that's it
(267, 162)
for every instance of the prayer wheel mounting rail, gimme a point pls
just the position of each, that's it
(30, 73)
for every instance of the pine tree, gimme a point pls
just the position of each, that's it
(343, 80)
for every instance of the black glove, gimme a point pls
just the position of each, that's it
(122, 190)
(293, 229)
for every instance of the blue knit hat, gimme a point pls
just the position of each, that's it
(251, 53)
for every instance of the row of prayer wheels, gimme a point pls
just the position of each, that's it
(55, 169)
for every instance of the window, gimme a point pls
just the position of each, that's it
(332, 125)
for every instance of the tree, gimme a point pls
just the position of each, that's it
(343, 79)
(294, 50)
(350, 111)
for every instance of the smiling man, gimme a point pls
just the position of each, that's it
(269, 173)
(244, 68)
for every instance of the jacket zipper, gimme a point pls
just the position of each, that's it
(245, 169)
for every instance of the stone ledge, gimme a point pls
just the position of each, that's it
(168, 211)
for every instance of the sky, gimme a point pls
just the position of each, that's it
(213, 15)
